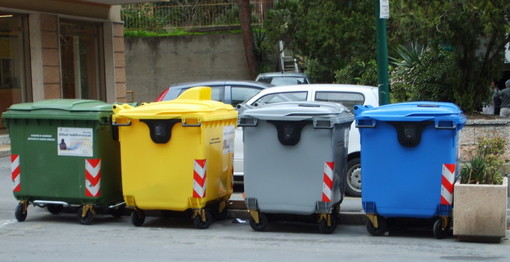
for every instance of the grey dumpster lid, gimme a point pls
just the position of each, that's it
(76, 109)
(298, 111)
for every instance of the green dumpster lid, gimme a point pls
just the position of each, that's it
(79, 109)
(75, 105)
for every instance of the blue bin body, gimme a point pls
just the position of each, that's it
(405, 149)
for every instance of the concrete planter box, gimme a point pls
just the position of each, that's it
(479, 212)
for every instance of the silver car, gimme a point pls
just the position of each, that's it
(227, 91)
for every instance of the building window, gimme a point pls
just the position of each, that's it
(81, 57)
(14, 84)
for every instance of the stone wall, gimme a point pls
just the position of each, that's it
(154, 63)
(476, 128)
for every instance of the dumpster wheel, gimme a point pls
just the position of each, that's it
(86, 214)
(263, 221)
(55, 209)
(221, 211)
(202, 218)
(441, 227)
(381, 223)
(118, 211)
(21, 211)
(137, 217)
(327, 223)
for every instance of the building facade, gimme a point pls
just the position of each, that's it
(61, 49)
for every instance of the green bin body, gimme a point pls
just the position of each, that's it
(64, 150)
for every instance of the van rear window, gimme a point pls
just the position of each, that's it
(348, 99)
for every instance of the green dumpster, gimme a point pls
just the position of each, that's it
(65, 153)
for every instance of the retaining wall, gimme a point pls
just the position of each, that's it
(476, 128)
(154, 63)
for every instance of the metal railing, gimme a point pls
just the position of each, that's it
(189, 14)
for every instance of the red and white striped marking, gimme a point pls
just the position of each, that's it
(199, 177)
(327, 182)
(92, 177)
(15, 173)
(447, 184)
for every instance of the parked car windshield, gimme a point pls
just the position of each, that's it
(240, 94)
(282, 97)
(216, 93)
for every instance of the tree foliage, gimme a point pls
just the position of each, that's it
(423, 73)
(475, 31)
(322, 33)
(464, 42)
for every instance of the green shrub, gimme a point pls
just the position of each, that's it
(484, 167)
(423, 73)
(359, 73)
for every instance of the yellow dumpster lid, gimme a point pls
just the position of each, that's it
(194, 103)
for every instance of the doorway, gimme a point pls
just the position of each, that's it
(81, 57)
(14, 85)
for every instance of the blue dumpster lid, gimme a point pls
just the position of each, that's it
(411, 111)
(76, 109)
(444, 115)
(298, 111)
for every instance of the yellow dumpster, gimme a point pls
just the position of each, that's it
(177, 155)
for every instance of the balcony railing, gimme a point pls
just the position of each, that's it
(189, 14)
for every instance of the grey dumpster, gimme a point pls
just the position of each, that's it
(294, 155)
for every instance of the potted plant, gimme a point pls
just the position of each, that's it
(480, 197)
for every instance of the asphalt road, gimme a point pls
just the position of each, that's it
(46, 237)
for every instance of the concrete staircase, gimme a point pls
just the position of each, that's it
(288, 63)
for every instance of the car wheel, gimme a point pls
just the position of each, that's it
(353, 178)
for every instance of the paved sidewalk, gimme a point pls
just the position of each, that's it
(5, 145)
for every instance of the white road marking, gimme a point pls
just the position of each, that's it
(7, 222)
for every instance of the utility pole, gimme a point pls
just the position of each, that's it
(382, 13)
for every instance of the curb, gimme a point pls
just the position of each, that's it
(5, 150)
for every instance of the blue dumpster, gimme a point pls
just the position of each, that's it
(409, 158)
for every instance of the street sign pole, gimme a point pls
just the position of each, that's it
(382, 14)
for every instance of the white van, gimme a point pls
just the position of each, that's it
(348, 95)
